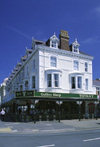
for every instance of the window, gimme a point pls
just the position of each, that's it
(26, 85)
(49, 80)
(86, 66)
(86, 84)
(76, 65)
(53, 80)
(56, 80)
(76, 82)
(75, 46)
(54, 41)
(34, 64)
(73, 83)
(21, 87)
(53, 61)
(75, 49)
(79, 82)
(33, 82)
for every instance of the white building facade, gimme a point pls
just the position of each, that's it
(53, 67)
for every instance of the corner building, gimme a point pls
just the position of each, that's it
(52, 81)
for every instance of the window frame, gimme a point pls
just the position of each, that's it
(76, 66)
(56, 81)
(86, 84)
(33, 82)
(52, 62)
(49, 81)
(86, 67)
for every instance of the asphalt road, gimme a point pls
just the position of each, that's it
(73, 139)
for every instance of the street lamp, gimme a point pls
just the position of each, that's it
(35, 102)
(96, 103)
(59, 103)
(79, 103)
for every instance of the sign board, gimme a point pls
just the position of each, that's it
(64, 95)
(54, 95)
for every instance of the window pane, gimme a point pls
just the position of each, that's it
(26, 85)
(79, 82)
(53, 61)
(86, 66)
(73, 82)
(56, 80)
(86, 84)
(49, 80)
(76, 65)
(54, 43)
(33, 82)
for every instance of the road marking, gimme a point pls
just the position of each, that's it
(92, 139)
(47, 145)
(5, 130)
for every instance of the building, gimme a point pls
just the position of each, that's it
(3, 90)
(52, 74)
(96, 84)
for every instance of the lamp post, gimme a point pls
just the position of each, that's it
(96, 103)
(59, 103)
(35, 102)
(79, 103)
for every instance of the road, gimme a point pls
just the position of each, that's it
(87, 138)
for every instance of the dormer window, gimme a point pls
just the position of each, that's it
(75, 46)
(54, 41)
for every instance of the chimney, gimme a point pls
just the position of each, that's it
(64, 40)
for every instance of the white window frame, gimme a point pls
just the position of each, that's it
(49, 81)
(77, 84)
(54, 42)
(53, 61)
(86, 84)
(54, 82)
(86, 67)
(76, 65)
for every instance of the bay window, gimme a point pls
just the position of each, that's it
(49, 80)
(56, 80)
(53, 80)
(76, 82)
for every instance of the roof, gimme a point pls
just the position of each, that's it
(96, 82)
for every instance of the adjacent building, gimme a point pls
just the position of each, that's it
(52, 74)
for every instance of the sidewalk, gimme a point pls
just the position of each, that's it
(49, 126)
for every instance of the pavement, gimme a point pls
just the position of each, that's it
(49, 126)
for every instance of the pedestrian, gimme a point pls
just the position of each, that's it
(2, 114)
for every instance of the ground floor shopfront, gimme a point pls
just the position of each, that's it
(38, 106)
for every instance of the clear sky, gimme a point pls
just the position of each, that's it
(22, 19)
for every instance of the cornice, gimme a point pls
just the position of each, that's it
(63, 52)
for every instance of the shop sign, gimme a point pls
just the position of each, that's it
(24, 93)
(54, 95)
(64, 95)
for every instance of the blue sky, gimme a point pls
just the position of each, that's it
(20, 20)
